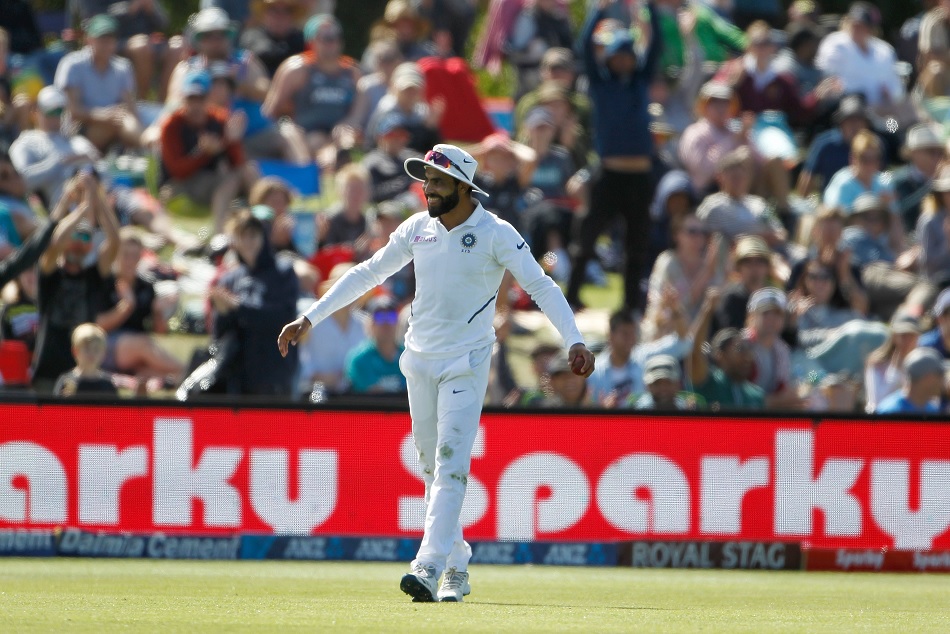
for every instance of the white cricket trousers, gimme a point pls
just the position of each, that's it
(445, 403)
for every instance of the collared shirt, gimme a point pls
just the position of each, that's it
(97, 89)
(844, 188)
(458, 273)
(868, 72)
(700, 149)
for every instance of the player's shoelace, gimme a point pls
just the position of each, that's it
(454, 580)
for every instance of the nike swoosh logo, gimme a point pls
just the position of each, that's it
(457, 391)
(521, 246)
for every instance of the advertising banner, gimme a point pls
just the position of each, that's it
(550, 478)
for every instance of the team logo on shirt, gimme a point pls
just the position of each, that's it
(469, 240)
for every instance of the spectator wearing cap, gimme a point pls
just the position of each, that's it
(933, 61)
(45, 157)
(923, 385)
(70, 289)
(347, 218)
(705, 142)
(564, 388)
(537, 28)
(385, 162)
(868, 240)
(733, 211)
(725, 385)
(939, 338)
(100, 88)
(753, 266)
(924, 152)
(323, 353)
(619, 87)
(505, 170)
(263, 138)
(933, 230)
(761, 86)
(276, 37)
(883, 373)
(211, 35)
(862, 62)
(373, 366)
(772, 369)
(202, 156)
(830, 151)
(406, 97)
(664, 384)
(833, 329)
(248, 301)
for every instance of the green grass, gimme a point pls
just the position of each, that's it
(53, 595)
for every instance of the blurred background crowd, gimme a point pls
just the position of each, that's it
(745, 201)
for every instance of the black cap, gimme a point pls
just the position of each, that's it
(865, 13)
(851, 106)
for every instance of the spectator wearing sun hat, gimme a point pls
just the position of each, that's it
(753, 264)
(664, 384)
(707, 140)
(45, 157)
(923, 385)
(924, 151)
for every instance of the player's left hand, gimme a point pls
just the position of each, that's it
(581, 360)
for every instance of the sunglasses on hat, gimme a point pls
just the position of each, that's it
(440, 159)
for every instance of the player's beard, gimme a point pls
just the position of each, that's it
(444, 205)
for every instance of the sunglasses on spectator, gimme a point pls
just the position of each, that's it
(55, 112)
(440, 159)
(386, 317)
(211, 35)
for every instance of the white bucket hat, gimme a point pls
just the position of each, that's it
(448, 159)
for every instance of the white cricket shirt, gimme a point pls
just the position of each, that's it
(458, 273)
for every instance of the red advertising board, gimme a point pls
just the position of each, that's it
(839, 484)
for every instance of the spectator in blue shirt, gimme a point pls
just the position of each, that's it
(373, 366)
(619, 85)
(863, 174)
(831, 150)
(923, 385)
(938, 339)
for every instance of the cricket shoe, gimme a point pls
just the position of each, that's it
(454, 586)
(420, 583)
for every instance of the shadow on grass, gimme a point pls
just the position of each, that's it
(576, 607)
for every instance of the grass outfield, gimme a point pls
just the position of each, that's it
(52, 595)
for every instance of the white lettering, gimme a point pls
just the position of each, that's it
(890, 506)
(847, 559)
(798, 493)
(102, 472)
(45, 499)
(317, 485)
(522, 514)
(177, 483)
(667, 511)
(725, 481)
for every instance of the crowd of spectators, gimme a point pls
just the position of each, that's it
(770, 187)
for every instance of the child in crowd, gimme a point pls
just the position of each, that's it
(89, 350)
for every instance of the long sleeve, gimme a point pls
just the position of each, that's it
(586, 46)
(177, 162)
(656, 43)
(364, 276)
(27, 255)
(542, 289)
(37, 171)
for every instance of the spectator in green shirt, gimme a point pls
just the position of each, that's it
(718, 38)
(726, 385)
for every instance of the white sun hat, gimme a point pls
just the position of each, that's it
(448, 159)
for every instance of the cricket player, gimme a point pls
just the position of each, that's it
(460, 252)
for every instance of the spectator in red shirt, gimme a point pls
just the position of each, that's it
(201, 150)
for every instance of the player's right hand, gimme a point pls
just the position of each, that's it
(291, 334)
